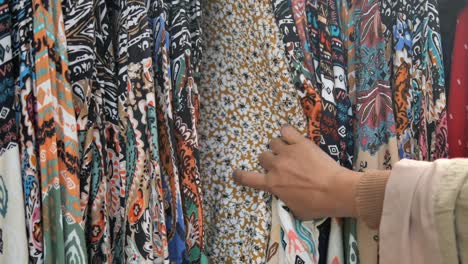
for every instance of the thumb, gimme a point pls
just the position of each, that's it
(251, 179)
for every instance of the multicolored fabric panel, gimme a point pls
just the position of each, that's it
(122, 192)
(184, 32)
(83, 82)
(57, 139)
(418, 77)
(143, 228)
(369, 84)
(23, 59)
(91, 78)
(13, 240)
(176, 226)
(320, 39)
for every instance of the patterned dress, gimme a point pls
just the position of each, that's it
(418, 77)
(372, 41)
(369, 84)
(88, 106)
(246, 96)
(122, 192)
(185, 52)
(13, 241)
(23, 58)
(458, 103)
(175, 224)
(319, 39)
(80, 27)
(63, 233)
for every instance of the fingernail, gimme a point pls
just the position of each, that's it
(234, 175)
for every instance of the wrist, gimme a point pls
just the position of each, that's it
(347, 182)
(370, 195)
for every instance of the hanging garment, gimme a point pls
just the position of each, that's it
(110, 53)
(23, 59)
(185, 53)
(246, 96)
(175, 225)
(373, 41)
(418, 77)
(319, 39)
(369, 85)
(411, 33)
(87, 54)
(458, 101)
(13, 241)
(298, 240)
(143, 227)
(62, 218)
(448, 11)
(95, 130)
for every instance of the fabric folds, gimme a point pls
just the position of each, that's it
(392, 72)
(458, 101)
(92, 90)
(246, 96)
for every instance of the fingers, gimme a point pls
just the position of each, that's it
(267, 160)
(291, 135)
(277, 145)
(251, 179)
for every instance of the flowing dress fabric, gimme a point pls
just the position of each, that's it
(13, 240)
(246, 96)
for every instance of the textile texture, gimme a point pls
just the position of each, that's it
(246, 96)
(458, 100)
(13, 240)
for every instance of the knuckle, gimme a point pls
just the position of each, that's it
(261, 158)
(285, 130)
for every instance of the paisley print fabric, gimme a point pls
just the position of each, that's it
(80, 77)
(185, 28)
(143, 221)
(369, 74)
(80, 30)
(176, 59)
(13, 246)
(125, 217)
(367, 42)
(175, 225)
(413, 28)
(246, 96)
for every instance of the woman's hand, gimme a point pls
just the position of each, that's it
(310, 182)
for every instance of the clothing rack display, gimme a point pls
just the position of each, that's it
(121, 122)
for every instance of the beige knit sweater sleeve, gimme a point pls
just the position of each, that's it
(370, 196)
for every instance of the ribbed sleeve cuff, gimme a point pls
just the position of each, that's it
(370, 195)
